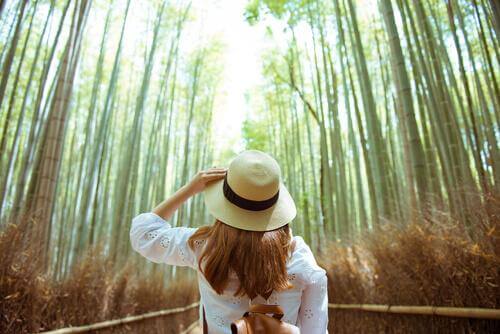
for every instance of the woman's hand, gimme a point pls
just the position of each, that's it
(202, 178)
(167, 208)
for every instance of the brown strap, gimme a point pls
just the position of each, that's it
(205, 326)
(239, 326)
(275, 310)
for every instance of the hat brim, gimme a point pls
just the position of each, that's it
(278, 215)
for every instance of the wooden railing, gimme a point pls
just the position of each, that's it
(459, 312)
(126, 320)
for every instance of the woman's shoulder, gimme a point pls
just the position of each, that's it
(301, 249)
(303, 263)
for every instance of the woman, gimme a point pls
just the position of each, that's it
(249, 254)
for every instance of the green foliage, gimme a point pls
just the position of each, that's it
(252, 11)
(254, 135)
(290, 10)
(141, 101)
(349, 92)
(381, 103)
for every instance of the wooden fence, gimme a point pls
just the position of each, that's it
(459, 312)
(126, 320)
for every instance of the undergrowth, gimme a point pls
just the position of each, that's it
(437, 261)
(93, 291)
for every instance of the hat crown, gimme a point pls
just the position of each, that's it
(254, 175)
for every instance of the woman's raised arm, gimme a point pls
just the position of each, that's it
(152, 236)
(167, 208)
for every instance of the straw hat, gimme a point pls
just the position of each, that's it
(251, 196)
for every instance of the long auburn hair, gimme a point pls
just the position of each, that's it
(258, 258)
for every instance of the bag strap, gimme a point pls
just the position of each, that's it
(205, 326)
(275, 310)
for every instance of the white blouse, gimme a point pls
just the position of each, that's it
(305, 305)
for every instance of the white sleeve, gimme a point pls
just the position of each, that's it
(156, 240)
(313, 312)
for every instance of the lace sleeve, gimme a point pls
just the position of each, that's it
(313, 312)
(156, 240)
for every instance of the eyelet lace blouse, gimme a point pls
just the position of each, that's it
(305, 305)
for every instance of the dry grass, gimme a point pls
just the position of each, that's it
(437, 262)
(94, 291)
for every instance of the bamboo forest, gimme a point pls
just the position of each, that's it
(384, 117)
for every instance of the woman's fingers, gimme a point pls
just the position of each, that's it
(222, 174)
(215, 172)
(214, 176)
(216, 169)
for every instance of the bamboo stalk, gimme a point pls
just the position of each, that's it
(459, 312)
(126, 320)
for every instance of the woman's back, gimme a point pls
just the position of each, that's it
(305, 304)
(248, 252)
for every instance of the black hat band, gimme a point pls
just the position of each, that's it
(247, 204)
